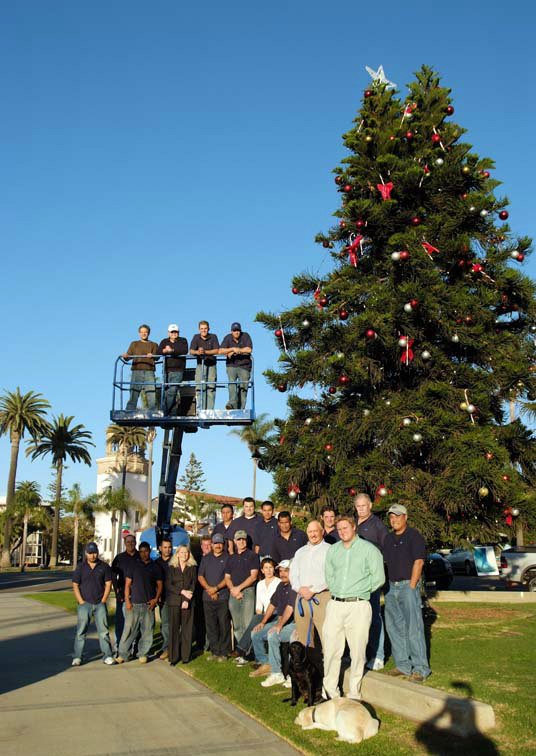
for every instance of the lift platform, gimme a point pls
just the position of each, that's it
(190, 415)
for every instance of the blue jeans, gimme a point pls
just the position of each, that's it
(164, 626)
(140, 617)
(242, 611)
(119, 620)
(205, 395)
(376, 635)
(238, 386)
(173, 395)
(273, 658)
(85, 612)
(405, 627)
(245, 641)
(138, 378)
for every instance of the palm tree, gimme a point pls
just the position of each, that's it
(257, 437)
(19, 413)
(151, 435)
(126, 440)
(60, 441)
(117, 503)
(27, 501)
(80, 506)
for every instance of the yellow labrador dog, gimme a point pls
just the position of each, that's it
(350, 719)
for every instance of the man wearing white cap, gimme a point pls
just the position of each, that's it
(172, 348)
(404, 551)
(238, 346)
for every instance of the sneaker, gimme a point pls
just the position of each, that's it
(396, 673)
(288, 682)
(264, 669)
(417, 677)
(76, 662)
(143, 660)
(119, 660)
(276, 678)
(241, 662)
(375, 665)
(108, 660)
(164, 655)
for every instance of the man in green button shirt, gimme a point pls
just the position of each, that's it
(354, 570)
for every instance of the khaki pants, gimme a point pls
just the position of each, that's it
(304, 626)
(345, 621)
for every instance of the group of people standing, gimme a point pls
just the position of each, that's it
(236, 346)
(267, 583)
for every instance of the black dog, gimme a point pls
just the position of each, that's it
(305, 678)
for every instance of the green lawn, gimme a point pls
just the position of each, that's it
(484, 651)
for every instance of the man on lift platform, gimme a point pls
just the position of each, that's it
(143, 352)
(204, 345)
(238, 346)
(173, 347)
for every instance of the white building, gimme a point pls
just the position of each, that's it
(109, 476)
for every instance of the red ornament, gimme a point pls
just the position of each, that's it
(338, 179)
(469, 320)
(323, 301)
(359, 223)
(520, 257)
(503, 215)
(347, 188)
(506, 477)
(368, 92)
(342, 224)
(477, 268)
(332, 390)
(295, 290)
(343, 314)
(409, 135)
(405, 255)
(436, 138)
(458, 321)
(463, 196)
(489, 455)
(416, 221)
(414, 302)
(449, 110)
(352, 491)
(485, 174)
(282, 387)
(392, 138)
(426, 169)
(328, 447)
(278, 333)
(326, 244)
(371, 334)
(344, 380)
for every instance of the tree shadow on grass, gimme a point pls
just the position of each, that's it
(438, 736)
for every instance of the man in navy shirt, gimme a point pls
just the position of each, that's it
(265, 530)
(92, 582)
(205, 345)
(211, 576)
(275, 631)
(241, 573)
(173, 348)
(404, 552)
(121, 564)
(287, 540)
(225, 527)
(248, 520)
(143, 588)
(328, 515)
(165, 549)
(238, 346)
(371, 528)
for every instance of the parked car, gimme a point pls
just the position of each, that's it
(438, 571)
(462, 560)
(518, 566)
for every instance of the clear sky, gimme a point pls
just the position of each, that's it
(171, 161)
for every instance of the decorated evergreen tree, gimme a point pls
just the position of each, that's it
(404, 362)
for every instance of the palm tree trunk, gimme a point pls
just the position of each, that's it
(56, 524)
(254, 477)
(75, 538)
(114, 531)
(10, 495)
(24, 540)
(149, 515)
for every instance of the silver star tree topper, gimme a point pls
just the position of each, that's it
(379, 77)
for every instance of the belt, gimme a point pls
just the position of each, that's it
(351, 598)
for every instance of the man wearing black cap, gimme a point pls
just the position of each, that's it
(173, 348)
(211, 577)
(238, 346)
(92, 582)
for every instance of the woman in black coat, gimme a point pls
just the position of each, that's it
(180, 584)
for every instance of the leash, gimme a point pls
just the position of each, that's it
(301, 611)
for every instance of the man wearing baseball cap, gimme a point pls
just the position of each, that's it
(172, 348)
(241, 573)
(238, 346)
(211, 577)
(92, 582)
(404, 552)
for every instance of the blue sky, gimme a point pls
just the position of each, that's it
(171, 162)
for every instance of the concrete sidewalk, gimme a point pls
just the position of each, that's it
(47, 707)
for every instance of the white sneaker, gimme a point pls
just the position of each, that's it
(276, 678)
(288, 682)
(108, 660)
(241, 662)
(375, 664)
(76, 662)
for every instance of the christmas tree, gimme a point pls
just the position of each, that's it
(404, 362)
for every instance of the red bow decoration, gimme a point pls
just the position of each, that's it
(385, 190)
(428, 248)
(317, 296)
(353, 247)
(508, 515)
(293, 488)
(407, 355)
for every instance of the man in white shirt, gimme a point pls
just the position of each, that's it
(307, 578)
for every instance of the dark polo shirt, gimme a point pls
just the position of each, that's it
(374, 531)
(285, 549)
(91, 581)
(238, 360)
(173, 359)
(332, 537)
(226, 532)
(164, 566)
(213, 569)
(264, 534)
(248, 524)
(239, 566)
(399, 553)
(284, 596)
(144, 577)
(120, 566)
(211, 342)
